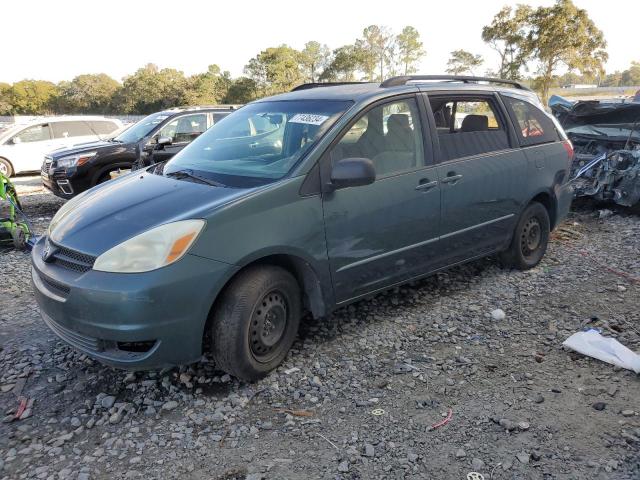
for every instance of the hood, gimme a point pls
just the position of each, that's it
(115, 211)
(100, 146)
(598, 118)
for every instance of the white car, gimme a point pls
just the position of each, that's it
(23, 146)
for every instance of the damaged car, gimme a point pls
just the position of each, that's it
(606, 140)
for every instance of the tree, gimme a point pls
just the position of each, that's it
(87, 94)
(275, 70)
(314, 59)
(150, 89)
(564, 35)
(631, 76)
(344, 65)
(241, 90)
(207, 88)
(375, 50)
(507, 35)
(32, 97)
(5, 100)
(462, 62)
(410, 49)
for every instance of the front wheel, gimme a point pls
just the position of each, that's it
(256, 322)
(5, 168)
(530, 238)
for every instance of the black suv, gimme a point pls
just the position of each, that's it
(70, 171)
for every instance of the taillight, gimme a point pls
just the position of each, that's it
(569, 149)
(568, 146)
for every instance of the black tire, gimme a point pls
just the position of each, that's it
(530, 238)
(5, 166)
(256, 321)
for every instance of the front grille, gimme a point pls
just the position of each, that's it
(72, 260)
(55, 286)
(76, 339)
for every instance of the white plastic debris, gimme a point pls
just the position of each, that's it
(607, 349)
(498, 314)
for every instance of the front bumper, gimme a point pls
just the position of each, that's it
(133, 321)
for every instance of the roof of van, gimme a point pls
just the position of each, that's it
(362, 90)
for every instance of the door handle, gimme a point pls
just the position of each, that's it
(425, 185)
(451, 179)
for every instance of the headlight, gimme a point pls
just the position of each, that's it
(152, 249)
(76, 160)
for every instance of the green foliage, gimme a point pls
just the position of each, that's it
(241, 90)
(376, 49)
(5, 100)
(507, 35)
(150, 89)
(275, 70)
(314, 59)
(463, 62)
(410, 49)
(564, 35)
(343, 66)
(209, 88)
(87, 93)
(31, 97)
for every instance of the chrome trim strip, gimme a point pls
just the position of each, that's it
(479, 225)
(386, 254)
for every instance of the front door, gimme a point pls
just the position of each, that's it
(385, 232)
(29, 146)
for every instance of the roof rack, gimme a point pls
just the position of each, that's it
(200, 107)
(404, 79)
(307, 86)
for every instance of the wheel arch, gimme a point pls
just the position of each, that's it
(108, 168)
(13, 168)
(316, 297)
(549, 201)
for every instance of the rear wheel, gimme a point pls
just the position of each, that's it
(5, 167)
(256, 321)
(530, 238)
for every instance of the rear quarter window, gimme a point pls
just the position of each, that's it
(532, 125)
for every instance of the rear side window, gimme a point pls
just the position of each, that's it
(533, 126)
(103, 127)
(71, 129)
(468, 126)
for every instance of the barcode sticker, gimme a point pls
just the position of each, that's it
(308, 118)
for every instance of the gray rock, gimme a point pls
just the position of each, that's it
(108, 401)
(343, 466)
(477, 464)
(170, 405)
(369, 451)
(523, 457)
(460, 453)
(627, 413)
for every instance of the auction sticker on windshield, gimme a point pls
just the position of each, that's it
(308, 118)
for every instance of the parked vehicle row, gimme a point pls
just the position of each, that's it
(23, 146)
(157, 137)
(306, 201)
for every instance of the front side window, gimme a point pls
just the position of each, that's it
(468, 126)
(389, 135)
(533, 126)
(185, 129)
(142, 128)
(37, 133)
(259, 143)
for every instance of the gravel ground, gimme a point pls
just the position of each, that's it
(357, 396)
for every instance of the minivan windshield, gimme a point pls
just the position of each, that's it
(141, 129)
(259, 143)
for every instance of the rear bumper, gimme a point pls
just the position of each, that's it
(133, 321)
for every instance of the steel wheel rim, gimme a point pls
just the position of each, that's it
(531, 237)
(268, 326)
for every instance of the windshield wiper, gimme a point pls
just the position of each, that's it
(189, 173)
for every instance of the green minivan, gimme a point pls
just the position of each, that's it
(305, 201)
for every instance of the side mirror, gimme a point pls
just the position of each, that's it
(16, 140)
(163, 142)
(352, 172)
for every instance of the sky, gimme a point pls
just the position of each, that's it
(57, 40)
